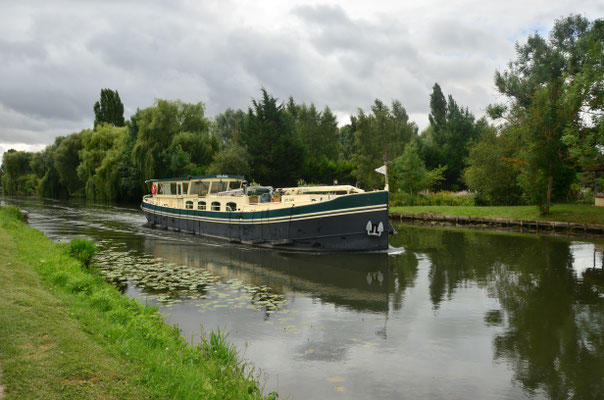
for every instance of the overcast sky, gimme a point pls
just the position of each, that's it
(55, 56)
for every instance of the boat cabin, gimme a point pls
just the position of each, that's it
(232, 193)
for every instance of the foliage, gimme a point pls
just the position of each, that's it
(452, 131)
(276, 153)
(109, 109)
(409, 172)
(163, 133)
(442, 198)
(380, 136)
(66, 160)
(18, 176)
(82, 249)
(544, 102)
(227, 126)
(42, 164)
(231, 160)
(584, 90)
(100, 157)
(493, 168)
(131, 183)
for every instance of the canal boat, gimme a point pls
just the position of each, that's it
(312, 218)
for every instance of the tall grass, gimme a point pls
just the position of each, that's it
(82, 249)
(13, 212)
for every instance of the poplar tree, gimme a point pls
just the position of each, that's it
(109, 109)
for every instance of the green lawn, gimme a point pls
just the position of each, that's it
(583, 214)
(67, 334)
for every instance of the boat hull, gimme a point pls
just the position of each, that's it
(356, 222)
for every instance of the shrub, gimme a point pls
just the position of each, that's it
(442, 198)
(83, 250)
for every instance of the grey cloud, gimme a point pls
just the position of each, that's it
(57, 56)
(456, 38)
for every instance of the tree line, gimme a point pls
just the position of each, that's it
(535, 147)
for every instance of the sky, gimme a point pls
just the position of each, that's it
(56, 56)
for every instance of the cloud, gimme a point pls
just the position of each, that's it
(56, 57)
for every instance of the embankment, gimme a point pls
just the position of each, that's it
(498, 223)
(67, 334)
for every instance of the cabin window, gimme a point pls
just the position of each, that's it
(173, 188)
(234, 185)
(179, 188)
(189, 205)
(231, 206)
(185, 187)
(199, 188)
(215, 206)
(218, 187)
(164, 188)
(201, 205)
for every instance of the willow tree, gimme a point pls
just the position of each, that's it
(171, 136)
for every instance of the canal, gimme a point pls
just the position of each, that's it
(445, 314)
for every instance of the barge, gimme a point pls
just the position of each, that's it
(309, 218)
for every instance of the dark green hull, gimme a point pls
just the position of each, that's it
(356, 222)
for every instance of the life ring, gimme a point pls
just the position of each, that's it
(154, 188)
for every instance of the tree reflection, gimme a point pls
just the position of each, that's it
(552, 321)
(553, 335)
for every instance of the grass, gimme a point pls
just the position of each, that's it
(577, 213)
(67, 334)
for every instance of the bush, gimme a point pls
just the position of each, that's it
(442, 198)
(82, 249)
(585, 196)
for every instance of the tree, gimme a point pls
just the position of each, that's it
(319, 134)
(18, 176)
(228, 125)
(66, 160)
(493, 167)
(540, 85)
(276, 153)
(109, 109)
(409, 172)
(131, 183)
(379, 137)
(172, 136)
(231, 160)
(100, 157)
(452, 130)
(585, 92)
(42, 164)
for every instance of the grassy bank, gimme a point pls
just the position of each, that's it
(65, 333)
(578, 213)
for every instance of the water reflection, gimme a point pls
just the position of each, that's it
(552, 308)
(361, 282)
(454, 314)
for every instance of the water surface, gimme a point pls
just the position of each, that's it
(445, 314)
